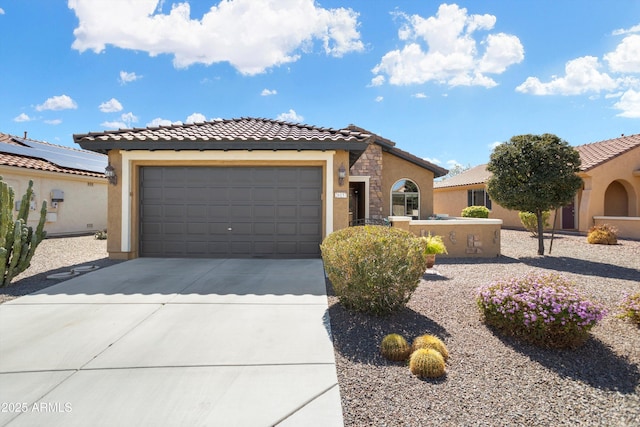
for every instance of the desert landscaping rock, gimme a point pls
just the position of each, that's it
(490, 380)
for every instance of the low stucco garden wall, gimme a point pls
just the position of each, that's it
(628, 226)
(463, 237)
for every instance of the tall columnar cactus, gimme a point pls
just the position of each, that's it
(18, 242)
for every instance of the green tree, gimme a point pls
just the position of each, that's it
(534, 173)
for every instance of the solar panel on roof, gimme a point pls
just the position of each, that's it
(63, 157)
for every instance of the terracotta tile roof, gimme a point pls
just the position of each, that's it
(39, 163)
(243, 129)
(476, 175)
(591, 155)
(597, 153)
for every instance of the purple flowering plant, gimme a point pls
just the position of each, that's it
(542, 309)
(630, 307)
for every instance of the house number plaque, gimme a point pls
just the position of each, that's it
(340, 195)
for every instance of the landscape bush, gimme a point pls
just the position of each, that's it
(530, 221)
(475, 212)
(604, 234)
(542, 309)
(374, 269)
(630, 308)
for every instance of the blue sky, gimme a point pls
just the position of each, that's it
(445, 81)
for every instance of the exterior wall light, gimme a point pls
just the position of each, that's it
(342, 174)
(110, 173)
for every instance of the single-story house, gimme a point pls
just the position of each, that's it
(610, 171)
(249, 187)
(71, 181)
(386, 181)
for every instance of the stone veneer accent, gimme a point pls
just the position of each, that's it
(370, 164)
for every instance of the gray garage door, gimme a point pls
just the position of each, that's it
(238, 212)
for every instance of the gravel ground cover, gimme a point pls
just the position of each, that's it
(491, 380)
(57, 255)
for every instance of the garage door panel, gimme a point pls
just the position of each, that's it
(231, 211)
(197, 228)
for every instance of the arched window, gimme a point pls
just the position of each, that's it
(405, 199)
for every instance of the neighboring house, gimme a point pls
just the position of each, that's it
(610, 171)
(245, 187)
(452, 195)
(386, 181)
(70, 180)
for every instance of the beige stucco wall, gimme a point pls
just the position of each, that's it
(394, 169)
(84, 209)
(464, 238)
(452, 200)
(591, 199)
(122, 242)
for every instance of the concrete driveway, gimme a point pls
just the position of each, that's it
(210, 342)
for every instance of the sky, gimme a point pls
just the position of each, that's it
(444, 81)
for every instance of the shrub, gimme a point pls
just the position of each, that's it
(395, 347)
(475, 212)
(374, 269)
(630, 308)
(427, 363)
(530, 222)
(541, 309)
(604, 234)
(430, 341)
(100, 235)
(434, 245)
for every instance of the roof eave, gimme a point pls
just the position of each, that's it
(355, 148)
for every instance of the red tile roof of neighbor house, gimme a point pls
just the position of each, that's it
(476, 175)
(591, 155)
(14, 153)
(597, 153)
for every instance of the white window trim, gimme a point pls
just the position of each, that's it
(391, 195)
(128, 157)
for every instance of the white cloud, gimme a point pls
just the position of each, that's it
(113, 125)
(629, 103)
(1, 11)
(634, 29)
(290, 116)
(196, 118)
(252, 36)
(126, 120)
(268, 92)
(626, 57)
(379, 98)
(493, 145)
(451, 56)
(433, 160)
(126, 77)
(581, 75)
(53, 122)
(22, 117)
(110, 106)
(62, 102)
(419, 95)
(159, 122)
(377, 81)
